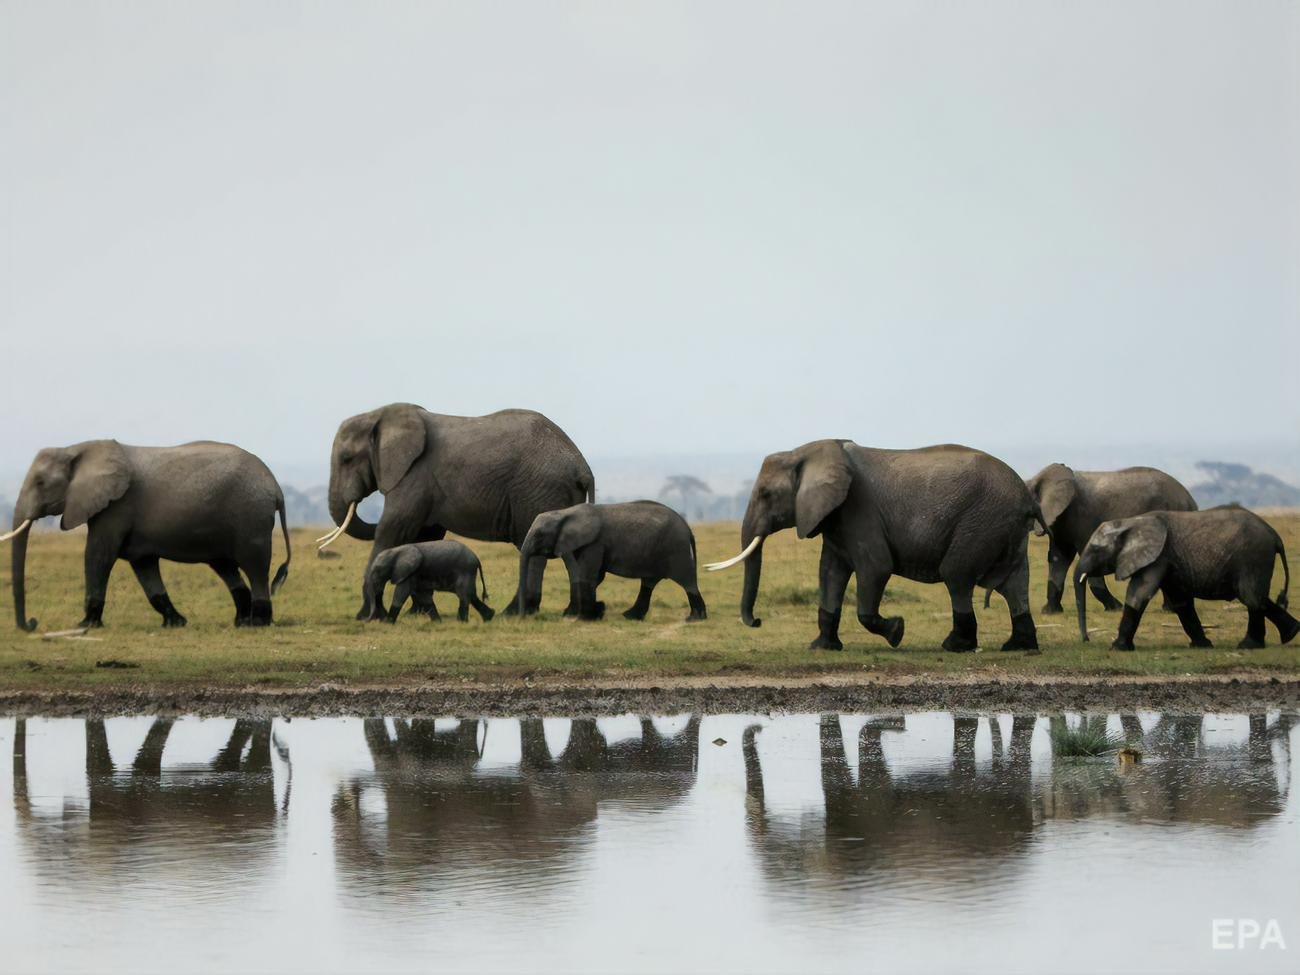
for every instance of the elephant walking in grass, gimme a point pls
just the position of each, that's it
(637, 540)
(199, 502)
(945, 514)
(1074, 503)
(419, 570)
(482, 477)
(1222, 553)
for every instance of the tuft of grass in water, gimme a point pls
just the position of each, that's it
(1088, 740)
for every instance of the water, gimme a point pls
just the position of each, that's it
(794, 843)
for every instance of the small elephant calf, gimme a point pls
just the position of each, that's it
(418, 571)
(1221, 553)
(637, 540)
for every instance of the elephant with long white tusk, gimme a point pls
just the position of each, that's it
(198, 502)
(939, 514)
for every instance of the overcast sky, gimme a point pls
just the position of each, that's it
(672, 227)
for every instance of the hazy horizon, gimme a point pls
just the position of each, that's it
(674, 228)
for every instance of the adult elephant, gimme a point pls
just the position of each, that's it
(945, 514)
(199, 502)
(1074, 503)
(483, 477)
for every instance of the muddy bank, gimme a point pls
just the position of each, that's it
(1239, 692)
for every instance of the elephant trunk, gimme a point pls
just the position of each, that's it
(1081, 604)
(358, 527)
(753, 572)
(19, 575)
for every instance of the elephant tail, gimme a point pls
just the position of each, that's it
(282, 573)
(482, 579)
(588, 486)
(1286, 576)
(988, 595)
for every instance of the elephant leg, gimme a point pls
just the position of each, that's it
(482, 608)
(832, 579)
(255, 562)
(464, 595)
(639, 608)
(146, 570)
(1103, 595)
(964, 637)
(698, 610)
(1287, 625)
(148, 760)
(871, 589)
(1254, 638)
(1058, 570)
(228, 571)
(1185, 607)
(421, 600)
(525, 603)
(401, 593)
(1140, 590)
(1015, 590)
(590, 572)
(101, 553)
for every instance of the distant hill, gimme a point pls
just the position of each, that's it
(6, 514)
(310, 506)
(1238, 483)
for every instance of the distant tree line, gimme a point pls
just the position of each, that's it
(1229, 483)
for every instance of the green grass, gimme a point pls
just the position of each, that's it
(315, 639)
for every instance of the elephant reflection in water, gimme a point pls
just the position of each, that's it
(1245, 784)
(218, 813)
(980, 817)
(441, 811)
(973, 819)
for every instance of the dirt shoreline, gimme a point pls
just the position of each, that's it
(1233, 692)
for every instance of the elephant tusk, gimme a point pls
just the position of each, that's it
(329, 538)
(17, 531)
(1082, 576)
(749, 550)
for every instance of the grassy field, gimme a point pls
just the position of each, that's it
(315, 639)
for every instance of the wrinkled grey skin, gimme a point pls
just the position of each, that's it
(1074, 503)
(1221, 553)
(945, 514)
(637, 540)
(199, 502)
(482, 477)
(420, 569)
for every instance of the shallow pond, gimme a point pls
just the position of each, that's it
(916, 842)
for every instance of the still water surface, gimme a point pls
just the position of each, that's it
(887, 843)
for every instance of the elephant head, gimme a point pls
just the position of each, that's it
(77, 482)
(555, 534)
(372, 451)
(1123, 547)
(1054, 489)
(797, 489)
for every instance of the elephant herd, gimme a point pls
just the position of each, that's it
(944, 514)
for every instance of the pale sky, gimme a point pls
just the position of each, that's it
(672, 227)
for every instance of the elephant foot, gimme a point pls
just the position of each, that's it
(597, 612)
(1024, 636)
(1201, 643)
(174, 622)
(634, 613)
(1051, 609)
(1111, 606)
(1289, 633)
(571, 609)
(363, 613)
(964, 637)
(826, 643)
(1125, 645)
(434, 617)
(1250, 643)
(487, 614)
(695, 615)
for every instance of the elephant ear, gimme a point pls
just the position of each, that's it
(100, 475)
(399, 438)
(823, 484)
(406, 564)
(577, 530)
(1054, 490)
(1142, 544)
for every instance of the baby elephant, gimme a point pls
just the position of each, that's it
(418, 571)
(637, 540)
(1222, 553)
